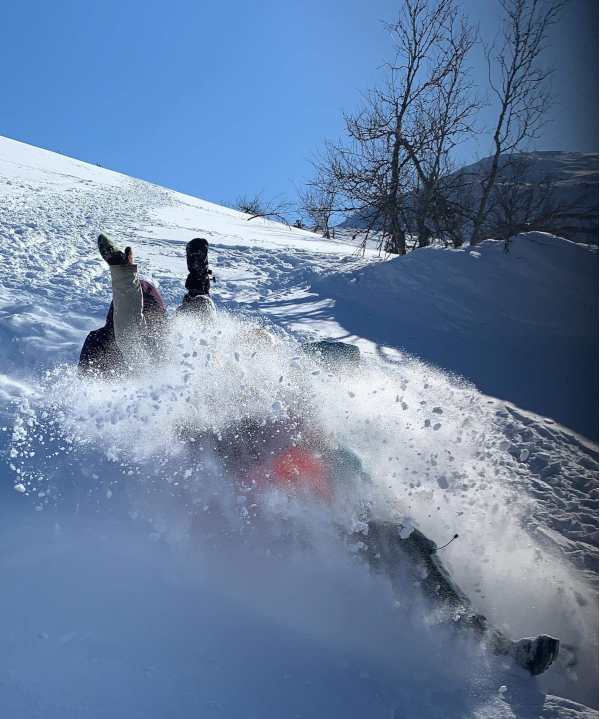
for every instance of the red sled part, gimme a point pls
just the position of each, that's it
(294, 470)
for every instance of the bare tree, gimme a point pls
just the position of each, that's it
(389, 167)
(521, 84)
(445, 120)
(319, 203)
(275, 208)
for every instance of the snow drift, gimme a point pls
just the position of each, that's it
(521, 325)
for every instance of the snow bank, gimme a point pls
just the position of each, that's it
(521, 325)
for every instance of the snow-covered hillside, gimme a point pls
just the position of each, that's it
(121, 595)
(574, 179)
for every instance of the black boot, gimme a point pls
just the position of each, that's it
(535, 654)
(198, 280)
(112, 254)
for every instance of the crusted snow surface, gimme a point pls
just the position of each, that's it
(141, 576)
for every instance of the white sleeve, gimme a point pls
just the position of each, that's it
(128, 304)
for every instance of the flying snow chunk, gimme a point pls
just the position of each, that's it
(407, 528)
(20, 487)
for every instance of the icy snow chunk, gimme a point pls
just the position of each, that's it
(443, 482)
(237, 356)
(295, 364)
(108, 494)
(436, 427)
(154, 537)
(524, 454)
(13, 453)
(502, 689)
(277, 406)
(364, 675)
(504, 445)
(407, 528)
(351, 394)
(20, 487)
(241, 499)
(39, 508)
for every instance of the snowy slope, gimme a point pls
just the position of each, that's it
(112, 607)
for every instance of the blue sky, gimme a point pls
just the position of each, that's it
(216, 99)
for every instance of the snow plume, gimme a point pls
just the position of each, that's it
(173, 450)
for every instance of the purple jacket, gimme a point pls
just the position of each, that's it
(100, 354)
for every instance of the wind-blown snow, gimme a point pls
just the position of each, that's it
(141, 579)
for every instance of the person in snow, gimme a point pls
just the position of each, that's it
(269, 455)
(133, 336)
(137, 321)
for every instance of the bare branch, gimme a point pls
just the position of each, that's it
(259, 206)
